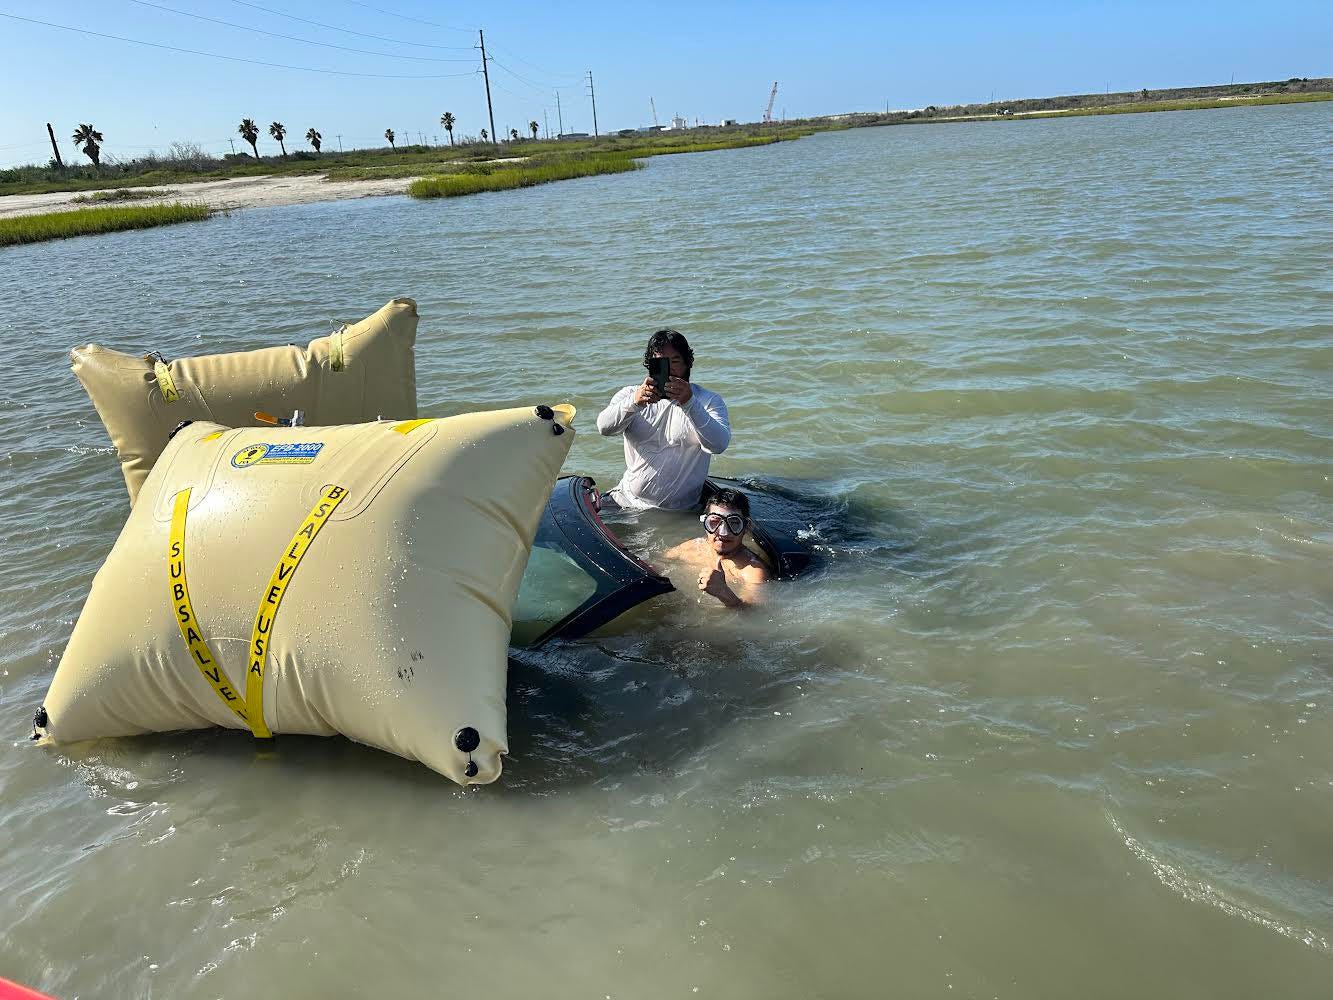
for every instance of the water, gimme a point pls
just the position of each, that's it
(1051, 719)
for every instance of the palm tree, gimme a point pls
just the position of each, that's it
(388, 134)
(89, 137)
(447, 120)
(513, 135)
(532, 126)
(249, 132)
(314, 138)
(484, 136)
(279, 132)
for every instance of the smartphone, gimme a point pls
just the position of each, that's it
(659, 369)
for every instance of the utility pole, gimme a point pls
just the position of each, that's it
(593, 94)
(54, 148)
(481, 35)
(340, 142)
(547, 122)
(559, 115)
(233, 146)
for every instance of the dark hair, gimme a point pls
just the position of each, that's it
(734, 499)
(674, 338)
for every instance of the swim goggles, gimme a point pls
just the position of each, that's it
(713, 523)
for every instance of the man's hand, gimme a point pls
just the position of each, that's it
(646, 393)
(678, 391)
(714, 581)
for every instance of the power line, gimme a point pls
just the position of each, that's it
(544, 72)
(405, 17)
(501, 87)
(521, 79)
(349, 31)
(293, 38)
(215, 55)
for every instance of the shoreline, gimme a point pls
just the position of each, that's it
(231, 194)
(279, 189)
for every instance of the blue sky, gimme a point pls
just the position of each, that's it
(701, 60)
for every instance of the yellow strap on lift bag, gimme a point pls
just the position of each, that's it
(363, 371)
(356, 580)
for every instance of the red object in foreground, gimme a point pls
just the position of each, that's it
(13, 991)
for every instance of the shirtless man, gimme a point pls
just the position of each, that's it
(728, 570)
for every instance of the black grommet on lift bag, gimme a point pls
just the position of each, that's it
(545, 412)
(471, 769)
(557, 429)
(467, 739)
(178, 428)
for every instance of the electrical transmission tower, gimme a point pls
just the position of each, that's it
(768, 111)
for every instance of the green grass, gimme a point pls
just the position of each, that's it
(608, 156)
(121, 194)
(87, 221)
(525, 174)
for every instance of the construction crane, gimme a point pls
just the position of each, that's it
(653, 105)
(768, 111)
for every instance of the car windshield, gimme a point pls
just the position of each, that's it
(553, 586)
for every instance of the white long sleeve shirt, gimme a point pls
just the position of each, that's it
(667, 447)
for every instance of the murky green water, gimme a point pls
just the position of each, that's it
(1051, 719)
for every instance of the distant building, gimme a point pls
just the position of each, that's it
(574, 135)
(679, 123)
(728, 122)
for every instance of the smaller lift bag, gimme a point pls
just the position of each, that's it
(356, 580)
(361, 372)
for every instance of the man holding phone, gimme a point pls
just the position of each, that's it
(672, 428)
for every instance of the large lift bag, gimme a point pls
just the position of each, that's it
(356, 580)
(361, 372)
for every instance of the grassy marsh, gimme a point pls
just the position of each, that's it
(87, 221)
(484, 177)
(544, 168)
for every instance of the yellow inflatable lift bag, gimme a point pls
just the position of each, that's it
(356, 580)
(361, 372)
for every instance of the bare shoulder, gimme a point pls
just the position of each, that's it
(755, 572)
(687, 551)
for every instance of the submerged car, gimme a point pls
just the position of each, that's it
(581, 575)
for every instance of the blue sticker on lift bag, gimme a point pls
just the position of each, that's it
(300, 453)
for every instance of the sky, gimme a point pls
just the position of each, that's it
(414, 60)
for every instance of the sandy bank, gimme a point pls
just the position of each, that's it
(237, 192)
